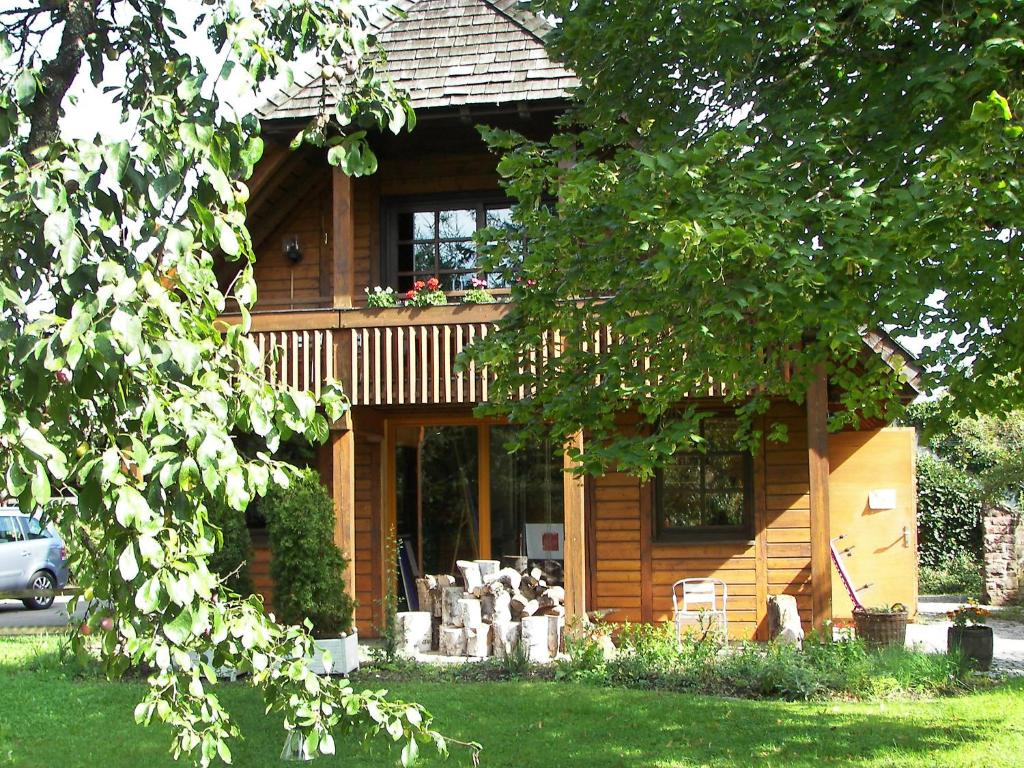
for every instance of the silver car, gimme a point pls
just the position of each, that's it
(33, 559)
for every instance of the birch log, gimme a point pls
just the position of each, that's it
(413, 631)
(504, 637)
(453, 641)
(533, 634)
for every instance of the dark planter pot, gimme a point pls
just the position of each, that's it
(881, 630)
(975, 643)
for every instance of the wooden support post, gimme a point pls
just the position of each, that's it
(343, 491)
(574, 548)
(817, 459)
(344, 239)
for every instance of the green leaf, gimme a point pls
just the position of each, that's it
(226, 239)
(127, 565)
(131, 507)
(178, 630)
(24, 87)
(147, 598)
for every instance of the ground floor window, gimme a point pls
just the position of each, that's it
(706, 494)
(459, 495)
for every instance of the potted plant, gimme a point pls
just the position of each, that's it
(426, 294)
(478, 293)
(309, 570)
(882, 626)
(381, 298)
(969, 635)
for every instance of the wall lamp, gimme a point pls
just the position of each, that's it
(292, 251)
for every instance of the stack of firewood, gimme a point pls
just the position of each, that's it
(490, 612)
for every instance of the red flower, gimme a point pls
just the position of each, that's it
(410, 294)
(433, 284)
(419, 284)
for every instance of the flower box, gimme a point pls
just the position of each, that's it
(344, 653)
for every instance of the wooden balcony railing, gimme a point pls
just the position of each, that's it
(381, 356)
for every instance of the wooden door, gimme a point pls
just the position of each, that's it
(879, 533)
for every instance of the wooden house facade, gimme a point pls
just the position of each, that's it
(412, 461)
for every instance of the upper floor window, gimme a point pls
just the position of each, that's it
(706, 494)
(434, 238)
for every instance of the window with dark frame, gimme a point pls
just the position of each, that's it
(706, 495)
(434, 238)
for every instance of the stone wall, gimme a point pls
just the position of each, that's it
(1004, 556)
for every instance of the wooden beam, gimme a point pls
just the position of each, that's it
(344, 239)
(761, 536)
(483, 468)
(817, 460)
(646, 562)
(575, 544)
(343, 491)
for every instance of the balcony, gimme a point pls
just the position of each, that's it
(399, 356)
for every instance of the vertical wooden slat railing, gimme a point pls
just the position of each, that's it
(301, 360)
(415, 365)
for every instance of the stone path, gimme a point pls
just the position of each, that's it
(929, 632)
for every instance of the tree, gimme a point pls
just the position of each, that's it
(121, 387)
(738, 189)
(988, 449)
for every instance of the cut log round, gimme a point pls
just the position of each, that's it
(450, 597)
(784, 620)
(504, 637)
(478, 641)
(487, 568)
(502, 607)
(470, 612)
(470, 574)
(556, 594)
(424, 593)
(509, 577)
(413, 631)
(522, 606)
(453, 641)
(533, 634)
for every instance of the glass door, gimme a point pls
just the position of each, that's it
(437, 495)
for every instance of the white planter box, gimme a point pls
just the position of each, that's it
(344, 654)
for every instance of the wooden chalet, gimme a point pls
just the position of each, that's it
(413, 460)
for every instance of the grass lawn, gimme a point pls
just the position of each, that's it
(50, 718)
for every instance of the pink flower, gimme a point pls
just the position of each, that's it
(476, 282)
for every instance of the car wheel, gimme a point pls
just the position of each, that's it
(41, 581)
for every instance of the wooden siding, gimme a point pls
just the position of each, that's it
(884, 542)
(632, 577)
(283, 285)
(259, 567)
(368, 514)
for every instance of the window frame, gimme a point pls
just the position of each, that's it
(702, 533)
(392, 207)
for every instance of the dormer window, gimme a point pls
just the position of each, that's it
(433, 237)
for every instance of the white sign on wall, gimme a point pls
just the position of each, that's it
(544, 541)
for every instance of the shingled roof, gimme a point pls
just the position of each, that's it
(453, 53)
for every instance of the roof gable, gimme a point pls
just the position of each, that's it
(453, 53)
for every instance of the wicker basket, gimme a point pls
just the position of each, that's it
(881, 629)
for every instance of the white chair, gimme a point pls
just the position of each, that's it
(695, 599)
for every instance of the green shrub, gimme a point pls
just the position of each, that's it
(948, 512)
(231, 559)
(307, 568)
(961, 575)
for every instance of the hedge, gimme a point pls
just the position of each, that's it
(948, 513)
(307, 568)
